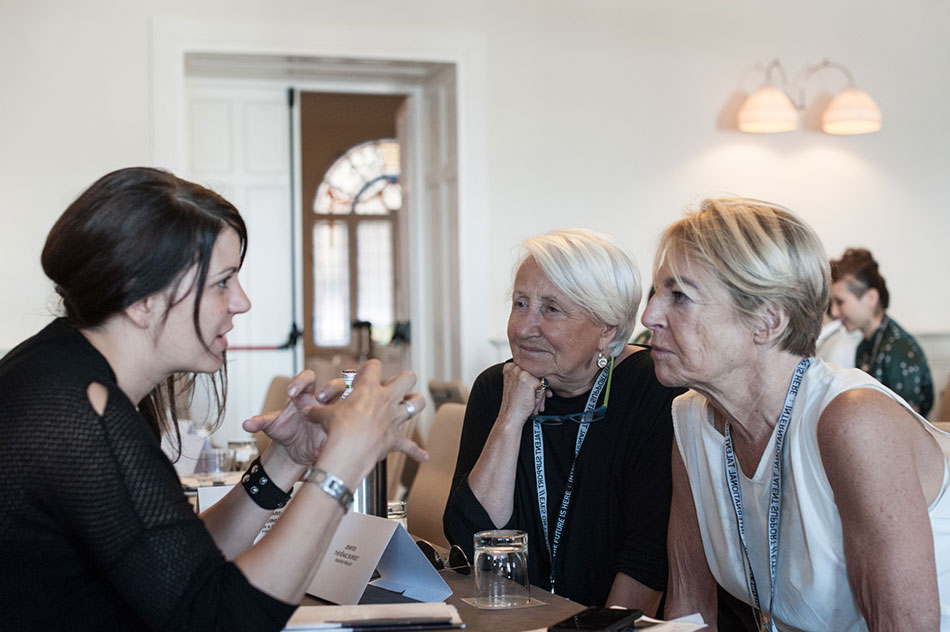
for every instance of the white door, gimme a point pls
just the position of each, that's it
(239, 145)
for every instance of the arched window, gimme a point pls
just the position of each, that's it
(354, 256)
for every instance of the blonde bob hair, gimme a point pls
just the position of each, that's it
(764, 254)
(594, 272)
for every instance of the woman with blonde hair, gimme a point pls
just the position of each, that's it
(812, 493)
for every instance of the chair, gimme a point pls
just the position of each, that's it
(441, 392)
(444, 391)
(942, 413)
(430, 488)
(274, 400)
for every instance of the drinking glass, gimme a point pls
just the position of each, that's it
(501, 569)
(212, 465)
(396, 510)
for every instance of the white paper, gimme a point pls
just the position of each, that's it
(327, 617)
(689, 623)
(365, 543)
(209, 495)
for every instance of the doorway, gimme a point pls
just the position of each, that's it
(236, 108)
(352, 210)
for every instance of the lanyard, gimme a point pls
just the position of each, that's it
(569, 488)
(775, 497)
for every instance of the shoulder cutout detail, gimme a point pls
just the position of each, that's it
(98, 397)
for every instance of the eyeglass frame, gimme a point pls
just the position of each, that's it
(583, 417)
(595, 415)
(454, 560)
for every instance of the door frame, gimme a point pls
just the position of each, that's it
(173, 39)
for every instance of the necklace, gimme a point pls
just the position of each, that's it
(867, 360)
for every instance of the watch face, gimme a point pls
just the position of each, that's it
(333, 486)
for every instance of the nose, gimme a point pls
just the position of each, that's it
(835, 312)
(525, 324)
(239, 302)
(652, 315)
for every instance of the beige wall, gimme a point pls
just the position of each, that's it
(603, 113)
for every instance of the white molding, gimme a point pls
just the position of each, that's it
(173, 39)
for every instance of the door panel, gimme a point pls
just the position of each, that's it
(239, 146)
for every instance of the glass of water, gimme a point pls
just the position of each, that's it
(396, 510)
(501, 569)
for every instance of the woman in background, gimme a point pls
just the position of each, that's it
(95, 532)
(859, 297)
(813, 493)
(835, 344)
(584, 406)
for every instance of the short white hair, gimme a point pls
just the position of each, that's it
(594, 272)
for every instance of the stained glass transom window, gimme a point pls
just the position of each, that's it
(354, 244)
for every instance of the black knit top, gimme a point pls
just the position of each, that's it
(620, 506)
(95, 533)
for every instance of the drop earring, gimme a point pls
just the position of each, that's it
(601, 360)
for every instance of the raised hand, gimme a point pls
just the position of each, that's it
(291, 427)
(368, 422)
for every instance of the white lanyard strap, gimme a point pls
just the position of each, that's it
(569, 488)
(775, 497)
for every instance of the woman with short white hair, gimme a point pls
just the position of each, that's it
(812, 493)
(577, 418)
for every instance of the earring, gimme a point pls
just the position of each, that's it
(601, 360)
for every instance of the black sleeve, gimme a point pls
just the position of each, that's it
(464, 515)
(95, 532)
(647, 487)
(123, 502)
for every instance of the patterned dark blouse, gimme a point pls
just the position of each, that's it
(895, 359)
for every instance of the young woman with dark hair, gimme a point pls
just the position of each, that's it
(859, 298)
(95, 532)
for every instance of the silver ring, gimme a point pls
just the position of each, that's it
(410, 409)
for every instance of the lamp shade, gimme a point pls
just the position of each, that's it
(766, 111)
(852, 111)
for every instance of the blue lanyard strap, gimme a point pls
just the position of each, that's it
(775, 498)
(539, 476)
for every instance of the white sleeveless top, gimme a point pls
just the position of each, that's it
(812, 590)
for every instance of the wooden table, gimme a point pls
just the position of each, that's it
(554, 609)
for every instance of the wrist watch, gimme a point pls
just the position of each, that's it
(333, 486)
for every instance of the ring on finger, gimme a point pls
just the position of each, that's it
(542, 385)
(410, 409)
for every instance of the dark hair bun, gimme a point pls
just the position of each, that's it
(858, 265)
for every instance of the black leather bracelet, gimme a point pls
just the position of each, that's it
(262, 489)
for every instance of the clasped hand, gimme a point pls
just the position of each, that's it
(521, 397)
(368, 421)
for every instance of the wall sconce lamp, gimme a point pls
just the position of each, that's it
(769, 109)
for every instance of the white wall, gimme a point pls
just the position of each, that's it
(601, 113)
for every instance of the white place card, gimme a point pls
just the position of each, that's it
(363, 544)
(210, 494)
